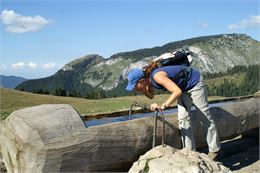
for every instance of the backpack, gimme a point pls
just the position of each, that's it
(179, 57)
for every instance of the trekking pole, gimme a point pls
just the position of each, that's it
(155, 127)
(163, 135)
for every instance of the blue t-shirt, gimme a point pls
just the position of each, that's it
(191, 80)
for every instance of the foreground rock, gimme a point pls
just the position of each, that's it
(2, 165)
(168, 160)
(53, 138)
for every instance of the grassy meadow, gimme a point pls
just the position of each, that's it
(12, 100)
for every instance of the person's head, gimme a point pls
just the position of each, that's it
(137, 81)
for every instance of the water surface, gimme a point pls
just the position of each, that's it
(108, 120)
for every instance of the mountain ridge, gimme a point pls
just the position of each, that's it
(92, 74)
(11, 81)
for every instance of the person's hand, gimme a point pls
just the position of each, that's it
(155, 106)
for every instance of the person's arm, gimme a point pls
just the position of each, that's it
(162, 79)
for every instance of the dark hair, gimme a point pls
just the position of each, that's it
(148, 69)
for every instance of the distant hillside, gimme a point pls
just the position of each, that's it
(10, 81)
(92, 76)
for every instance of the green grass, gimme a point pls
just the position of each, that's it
(12, 100)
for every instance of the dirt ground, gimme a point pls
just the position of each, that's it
(244, 162)
(240, 154)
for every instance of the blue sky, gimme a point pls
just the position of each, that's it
(39, 36)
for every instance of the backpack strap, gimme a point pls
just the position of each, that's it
(185, 74)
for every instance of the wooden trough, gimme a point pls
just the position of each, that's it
(54, 138)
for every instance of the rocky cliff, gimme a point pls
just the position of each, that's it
(93, 72)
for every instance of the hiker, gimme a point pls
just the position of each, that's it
(186, 89)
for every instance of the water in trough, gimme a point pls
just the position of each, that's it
(107, 120)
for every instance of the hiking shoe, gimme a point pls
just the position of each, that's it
(213, 155)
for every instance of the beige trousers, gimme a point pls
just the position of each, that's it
(198, 96)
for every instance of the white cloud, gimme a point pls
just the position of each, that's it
(17, 66)
(202, 24)
(32, 65)
(251, 22)
(49, 65)
(17, 23)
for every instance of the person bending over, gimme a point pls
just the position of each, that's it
(186, 86)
